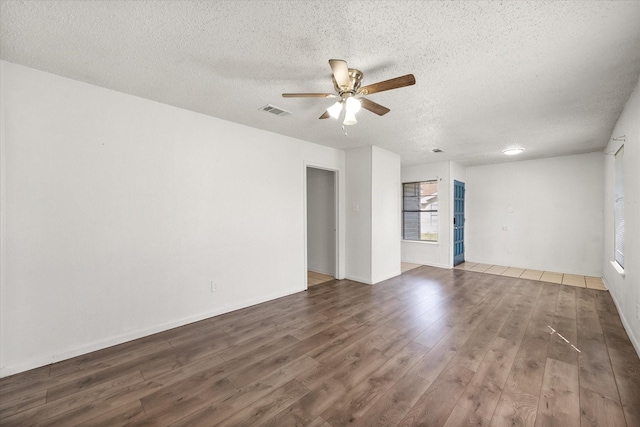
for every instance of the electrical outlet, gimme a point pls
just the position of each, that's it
(214, 286)
(638, 312)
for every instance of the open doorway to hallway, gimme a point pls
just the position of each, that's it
(314, 278)
(321, 225)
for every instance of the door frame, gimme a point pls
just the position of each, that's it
(455, 184)
(337, 264)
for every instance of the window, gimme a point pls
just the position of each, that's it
(618, 208)
(420, 211)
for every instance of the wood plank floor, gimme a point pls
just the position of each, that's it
(431, 347)
(314, 278)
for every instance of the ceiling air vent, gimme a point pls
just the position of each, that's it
(274, 110)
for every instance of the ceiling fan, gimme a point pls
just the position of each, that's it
(347, 82)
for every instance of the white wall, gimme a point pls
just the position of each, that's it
(543, 214)
(386, 219)
(118, 212)
(358, 214)
(438, 254)
(321, 248)
(625, 289)
(372, 214)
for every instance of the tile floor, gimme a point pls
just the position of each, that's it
(543, 276)
(314, 278)
(500, 270)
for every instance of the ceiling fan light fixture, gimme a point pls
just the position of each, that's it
(335, 109)
(352, 105)
(347, 83)
(349, 118)
(512, 151)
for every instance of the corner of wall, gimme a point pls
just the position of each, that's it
(3, 192)
(635, 340)
(624, 290)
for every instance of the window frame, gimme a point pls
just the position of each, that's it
(420, 211)
(618, 209)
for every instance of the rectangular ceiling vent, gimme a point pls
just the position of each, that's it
(275, 110)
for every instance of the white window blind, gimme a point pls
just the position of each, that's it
(618, 215)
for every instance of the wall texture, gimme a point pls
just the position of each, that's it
(625, 289)
(358, 214)
(372, 214)
(118, 213)
(543, 214)
(385, 221)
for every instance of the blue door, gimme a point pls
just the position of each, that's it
(458, 222)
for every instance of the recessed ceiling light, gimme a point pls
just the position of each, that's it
(512, 151)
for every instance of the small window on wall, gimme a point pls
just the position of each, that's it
(618, 208)
(420, 211)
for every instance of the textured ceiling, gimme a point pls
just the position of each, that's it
(551, 77)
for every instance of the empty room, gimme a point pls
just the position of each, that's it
(319, 213)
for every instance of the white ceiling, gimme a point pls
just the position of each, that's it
(551, 77)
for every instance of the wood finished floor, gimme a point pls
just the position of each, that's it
(314, 278)
(431, 347)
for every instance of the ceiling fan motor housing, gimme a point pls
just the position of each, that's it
(355, 79)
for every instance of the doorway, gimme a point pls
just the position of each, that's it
(458, 222)
(321, 225)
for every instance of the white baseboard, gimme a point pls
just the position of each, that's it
(40, 361)
(388, 276)
(634, 340)
(359, 279)
(371, 281)
(430, 264)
